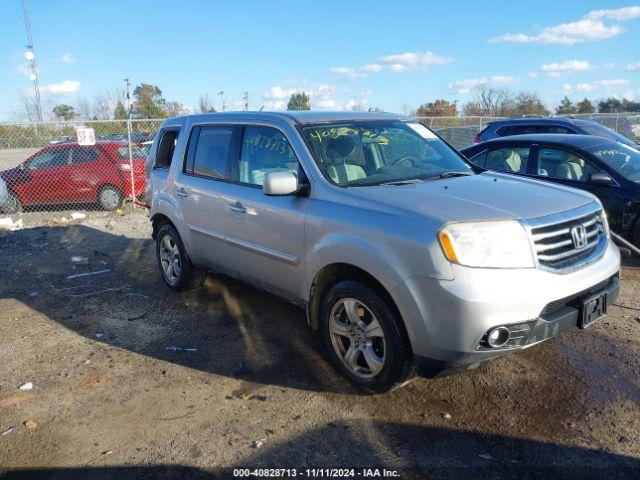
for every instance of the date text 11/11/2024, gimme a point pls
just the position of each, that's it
(316, 473)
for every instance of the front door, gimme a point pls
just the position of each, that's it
(265, 234)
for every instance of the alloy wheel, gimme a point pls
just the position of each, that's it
(357, 338)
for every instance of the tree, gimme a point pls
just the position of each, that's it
(630, 106)
(566, 107)
(64, 112)
(174, 109)
(585, 106)
(502, 103)
(120, 113)
(148, 102)
(438, 108)
(299, 101)
(611, 104)
(205, 105)
(83, 109)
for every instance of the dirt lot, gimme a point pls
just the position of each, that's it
(131, 380)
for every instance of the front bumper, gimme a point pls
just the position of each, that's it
(447, 320)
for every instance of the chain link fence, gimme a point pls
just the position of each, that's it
(47, 176)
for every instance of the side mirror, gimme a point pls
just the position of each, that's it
(280, 183)
(601, 179)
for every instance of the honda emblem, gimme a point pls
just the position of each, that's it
(579, 237)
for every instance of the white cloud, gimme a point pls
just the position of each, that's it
(590, 28)
(567, 88)
(468, 84)
(633, 66)
(569, 66)
(413, 60)
(67, 58)
(602, 84)
(346, 71)
(620, 14)
(397, 63)
(585, 30)
(322, 96)
(372, 68)
(64, 88)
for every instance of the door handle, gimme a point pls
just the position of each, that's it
(181, 192)
(237, 208)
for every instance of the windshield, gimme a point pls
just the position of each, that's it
(123, 152)
(381, 152)
(601, 131)
(623, 159)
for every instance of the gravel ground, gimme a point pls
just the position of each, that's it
(131, 380)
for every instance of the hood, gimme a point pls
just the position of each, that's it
(484, 197)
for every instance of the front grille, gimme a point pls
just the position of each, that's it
(555, 245)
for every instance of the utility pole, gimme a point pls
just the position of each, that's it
(221, 93)
(245, 97)
(128, 99)
(30, 55)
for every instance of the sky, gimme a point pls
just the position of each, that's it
(391, 55)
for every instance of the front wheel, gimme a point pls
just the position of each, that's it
(176, 268)
(364, 338)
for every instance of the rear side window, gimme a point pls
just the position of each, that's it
(208, 151)
(506, 159)
(166, 147)
(84, 155)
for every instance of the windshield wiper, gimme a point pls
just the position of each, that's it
(453, 174)
(402, 182)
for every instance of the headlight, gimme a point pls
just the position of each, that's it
(503, 244)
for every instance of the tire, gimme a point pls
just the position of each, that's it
(177, 271)
(13, 204)
(380, 355)
(109, 197)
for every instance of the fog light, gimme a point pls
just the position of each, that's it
(498, 337)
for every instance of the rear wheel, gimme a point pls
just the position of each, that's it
(176, 268)
(13, 204)
(364, 338)
(109, 197)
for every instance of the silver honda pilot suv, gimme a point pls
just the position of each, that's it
(405, 257)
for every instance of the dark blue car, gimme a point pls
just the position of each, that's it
(607, 168)
(525, 126)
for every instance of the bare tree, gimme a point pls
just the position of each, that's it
(30, 107)
(104, 104)
(83, 109)
(174, 109)
(205, 105)
(502, 103)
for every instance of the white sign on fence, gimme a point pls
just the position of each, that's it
(86, 136)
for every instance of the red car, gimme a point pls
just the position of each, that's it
(68, 173)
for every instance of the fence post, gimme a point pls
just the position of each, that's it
(133, 187)
(480, 124)
(617, 116)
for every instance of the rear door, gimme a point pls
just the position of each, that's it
(265, 234)
(203, 192)
(85, 174)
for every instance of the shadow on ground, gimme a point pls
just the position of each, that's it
(414, 452)
(224, 327)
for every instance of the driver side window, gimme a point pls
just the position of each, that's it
(50, 158)
(556, 163)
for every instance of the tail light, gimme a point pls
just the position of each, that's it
(477, 139)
